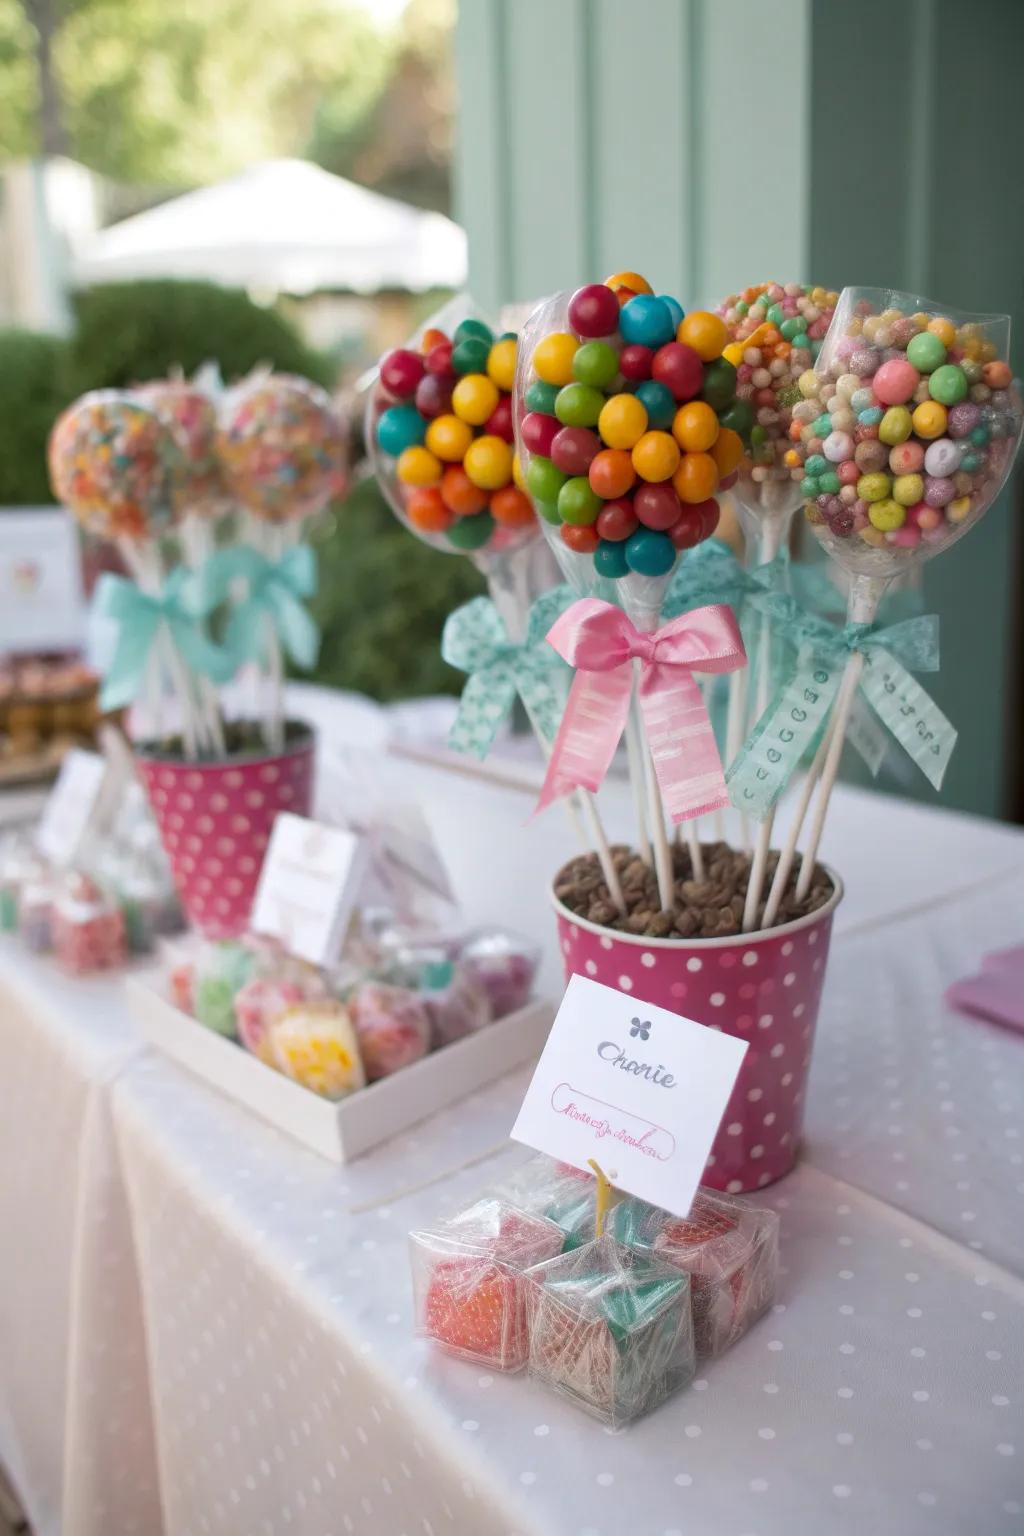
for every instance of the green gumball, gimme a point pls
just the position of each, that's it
(543, 480)
(738, 418)
(579, 405)
(926, 352)
(948, 384)
(577, 502)
(719, 384)
(595, 363)
(541, 397)
(470, 533)
(470, 355)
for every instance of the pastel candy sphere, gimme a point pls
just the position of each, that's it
(930, 419)
(837, 447)
(646, 321)
(895, 426)
(594, 311)
(650, 553)
(942, 457)
(895, 382)
(907, 489)
(871, 456)
(906, 458)
(874, 487)
(887, 515)
(938, 491)
(948, 384)
(926, 351)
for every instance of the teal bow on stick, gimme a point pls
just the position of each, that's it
(139, 618)
(799, 709)
(275, 593)
(476, 641)
(711, 573)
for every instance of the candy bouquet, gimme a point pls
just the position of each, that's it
(609, 1307)
(205, 494)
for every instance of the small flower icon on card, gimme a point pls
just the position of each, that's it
(641, 1028)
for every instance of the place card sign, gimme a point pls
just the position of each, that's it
(71, 805)
(308, 885)
(638, 1089)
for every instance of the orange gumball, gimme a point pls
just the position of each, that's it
(631, 280)
(655, 456)
(704, 332)
(696, 479)
(432, 337)
(611, 473)
(582, 537)
(459, 493)
(727, 451)
(427, 510)
(695, 426)
(511, 507)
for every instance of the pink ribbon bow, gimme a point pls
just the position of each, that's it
(601, 643)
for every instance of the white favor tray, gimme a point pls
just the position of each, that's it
(339, 1130)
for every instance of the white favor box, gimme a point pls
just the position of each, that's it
(339, 1130)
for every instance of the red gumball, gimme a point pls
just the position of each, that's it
(709, 514)
(688, 530)
(539, 432)
(499, 422)
(617, 520)
(594, 311)
(574, 448)
(728, 481)
(657, 506)
(680, 368)
(401, 371)
(581, 537)
(635, 362)
(439, 360)
(433, 395)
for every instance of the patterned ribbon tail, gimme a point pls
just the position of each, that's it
(486, 699)
(794, 718)
(682, 742)
(138, 617)
(594, 720)
(910, 714)
(867, 735)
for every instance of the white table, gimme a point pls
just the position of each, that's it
(287, 1391)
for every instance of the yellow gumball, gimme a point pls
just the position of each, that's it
(501, 363)
(488, 462)
(474, 398)
(631, 280)
(518, 476)
(418, 466)
(656, 456)
(449, 438)
(704, 332)
(622, 422)
(552, 358)
(930, 418)
(695, 426)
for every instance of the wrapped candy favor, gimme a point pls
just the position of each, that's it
(610, 1329)
(315, 1044)
(392, 1025)
(257, 1007)
(468, 1281)
(221, 971)
(35, 913)
(505, 965)
(88, 928)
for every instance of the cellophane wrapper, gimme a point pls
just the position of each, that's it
(610, 1329)
(505, 965)
(468, 1281)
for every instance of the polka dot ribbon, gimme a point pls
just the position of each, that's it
(475, 640)
(798, 712)
(139, 618)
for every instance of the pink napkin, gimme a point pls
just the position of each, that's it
(997, 992)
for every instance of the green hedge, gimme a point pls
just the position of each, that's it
(33, 392)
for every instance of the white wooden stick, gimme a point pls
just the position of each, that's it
(755, 883)
(635, 760)
(788, 853)
(662, 847)
(603, 850)
(734, 723)
(841, 719)
(144, 567)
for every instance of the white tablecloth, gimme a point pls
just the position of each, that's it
(287, 1391)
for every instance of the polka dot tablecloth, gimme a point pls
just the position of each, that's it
(882, 1393)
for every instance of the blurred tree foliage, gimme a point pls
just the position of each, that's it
(33, 392)
(177, 94)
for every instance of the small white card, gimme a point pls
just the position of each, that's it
(638, 1089)
(308, 885)
(40, 580)
(70, 806)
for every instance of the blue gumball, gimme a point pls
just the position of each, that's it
(400, 427)
(650, 553)
(610, 560)
(646, 322)
(675, 309)
(659, 403)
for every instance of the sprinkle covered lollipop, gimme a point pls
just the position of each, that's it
(910, 424)
(116, 465)
(283, 447)
(192, 417)
(439, 434)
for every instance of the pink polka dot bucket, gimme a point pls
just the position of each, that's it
(764, 988)
(215, 821)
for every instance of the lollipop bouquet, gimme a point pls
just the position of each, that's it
(205, 494)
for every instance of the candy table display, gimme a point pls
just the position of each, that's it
(917, 422)
(468, 1286)
(625, 418)
(610, 1329)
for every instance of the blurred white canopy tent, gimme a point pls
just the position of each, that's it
(285, 226)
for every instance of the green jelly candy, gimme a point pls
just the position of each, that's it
(595, 363)
(822, 425)
(948, 384)
(577, 502)
(579, 405)
(470, 355)
(809, 487)
(471, 532)
(474, 328)
(926, 351)
(828, 484)
(816, 464)
(719, 384)
(543, 480)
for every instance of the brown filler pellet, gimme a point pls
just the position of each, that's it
(708, 909)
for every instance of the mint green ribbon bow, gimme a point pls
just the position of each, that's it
(711, 573)
(139, 617)
(276, 590)
(476, 641)
(799, 709)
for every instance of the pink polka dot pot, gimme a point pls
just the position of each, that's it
(764, 988)
(215, 821)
